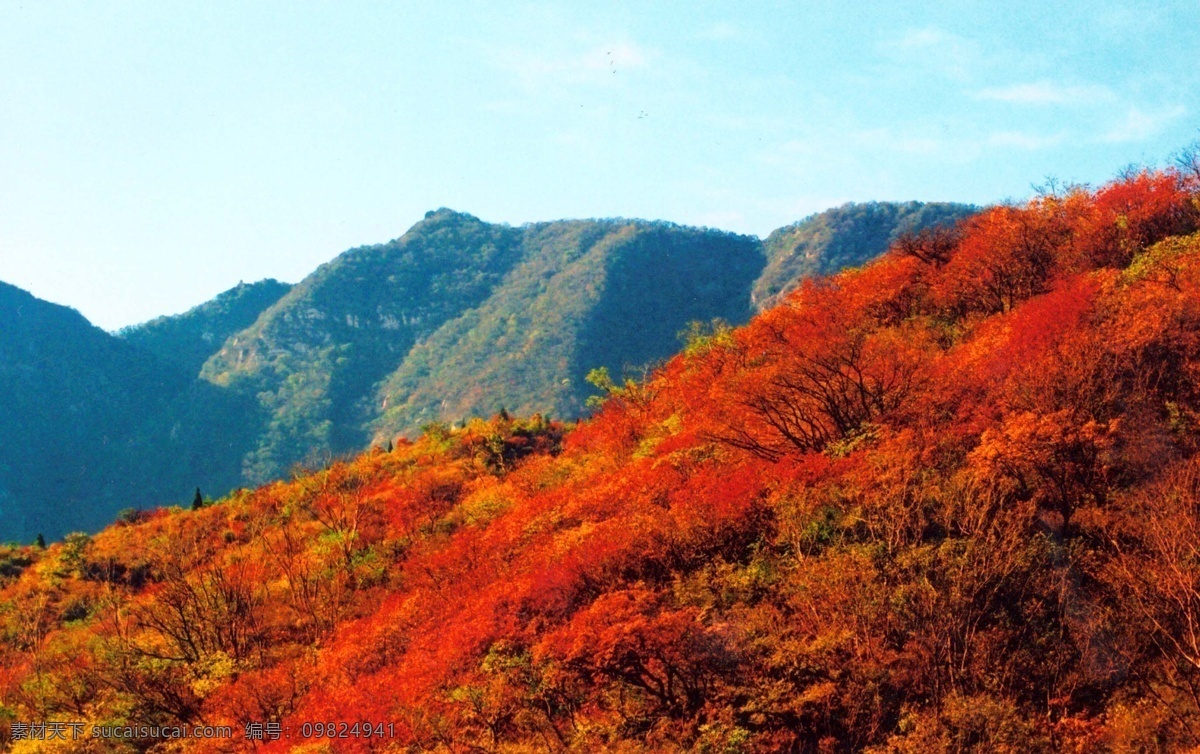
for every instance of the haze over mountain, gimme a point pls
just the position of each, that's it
(73, 397)
(456, 318)
(91, 423)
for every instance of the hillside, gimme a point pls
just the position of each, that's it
(454, 319)
(587, 294)
(458, 318)
(189, 339)
(321, 349)
(72, 398)
(93, 424)
(845, 236)
(945, 502)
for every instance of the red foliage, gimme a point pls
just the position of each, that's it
(908, 508)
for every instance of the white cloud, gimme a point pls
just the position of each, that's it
(869, 139)
(927, 38)
(876, 146)
(949, 54)
(1048, 93)
(1024, 140)
(1139, 125)
(741, 122)
(904, 143)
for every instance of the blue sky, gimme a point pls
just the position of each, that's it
(154, 154)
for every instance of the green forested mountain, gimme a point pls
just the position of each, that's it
(846, 236)
(189, 339)
(313, 357)
(587, 294)
(457, 317)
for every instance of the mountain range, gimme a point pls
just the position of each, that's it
(945, 501)
(454, 319)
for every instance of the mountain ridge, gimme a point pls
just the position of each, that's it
(454, 318)
(190, 338)
(945, 501)
(844, 236)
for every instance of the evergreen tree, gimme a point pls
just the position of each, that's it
(198, 500)
(40, 541)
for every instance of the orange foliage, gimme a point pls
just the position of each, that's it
(944, 502)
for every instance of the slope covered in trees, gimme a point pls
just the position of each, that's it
(845, 236)
(454, 319)
(947, 502)
(71, 401)
(459, 317)
(588, 294)
(189, 339)
(92, 424)
(320, 350)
